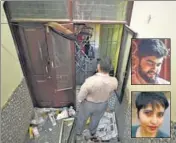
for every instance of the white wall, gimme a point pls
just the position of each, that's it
(11, 73)
(161, 25)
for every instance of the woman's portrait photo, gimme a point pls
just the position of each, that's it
(150, 114)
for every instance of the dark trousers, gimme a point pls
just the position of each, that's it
(93, 110)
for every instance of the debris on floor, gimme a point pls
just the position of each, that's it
(63, 114)
(50, 120)
(107, 128)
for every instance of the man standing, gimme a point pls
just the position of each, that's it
(93, 98)
(151, 53)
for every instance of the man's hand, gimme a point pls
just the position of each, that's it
(78, 105)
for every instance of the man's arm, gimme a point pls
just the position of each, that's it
(115, 83)
(85, 88)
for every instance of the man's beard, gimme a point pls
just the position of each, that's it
(145, 77)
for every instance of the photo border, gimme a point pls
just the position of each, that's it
(169, 63)
(169, 121)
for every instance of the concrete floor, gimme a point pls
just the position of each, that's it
(52, 134)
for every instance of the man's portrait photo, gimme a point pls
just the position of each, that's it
(150, 114)
(150, 61)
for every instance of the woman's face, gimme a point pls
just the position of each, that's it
(151, 118)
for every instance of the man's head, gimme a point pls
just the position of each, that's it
(104, 65)
(150, 110)
(151, 53)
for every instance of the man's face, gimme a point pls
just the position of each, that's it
(149, 68)
(151, 118)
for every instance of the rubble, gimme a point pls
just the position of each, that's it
(63, 114)
(52, 119)
(30, 133)
(71, 111)
(35, 132)
(52, 115)
(107, 129)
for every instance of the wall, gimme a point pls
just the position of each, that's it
(161, 25)
(16, 103)
(16, 115)
(11, 73)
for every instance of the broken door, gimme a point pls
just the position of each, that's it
(63, 68)
(49, 58)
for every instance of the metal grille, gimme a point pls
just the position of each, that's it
(85, 64)
(99, 9)
(39, 9)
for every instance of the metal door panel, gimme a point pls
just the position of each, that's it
(62, 64)
(62, 61)
(36, 54)
(37, 50)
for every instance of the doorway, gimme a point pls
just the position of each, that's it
(48, 59)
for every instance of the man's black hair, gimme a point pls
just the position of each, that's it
(154, 98)
(152, 47)
(105, 64)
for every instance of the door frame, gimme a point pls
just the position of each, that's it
(128, 65)
(14, 32)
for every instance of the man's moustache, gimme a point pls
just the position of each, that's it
(151, 72)
(155, 73)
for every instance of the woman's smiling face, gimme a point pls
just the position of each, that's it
(151, 118)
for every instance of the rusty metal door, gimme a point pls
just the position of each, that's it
(62, 67)
(50, 63)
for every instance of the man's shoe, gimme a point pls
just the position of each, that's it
(87, 136)
(93, 137)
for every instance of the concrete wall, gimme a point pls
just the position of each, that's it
(11, 73)
(16, 103)
(161, 25)
(16, 115)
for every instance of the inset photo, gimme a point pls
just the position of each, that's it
(150, 113)
(151, 61)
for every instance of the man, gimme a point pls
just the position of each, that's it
(151, 53)
(151, 107)
(93, 98)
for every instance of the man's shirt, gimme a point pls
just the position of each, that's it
(97, 88)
